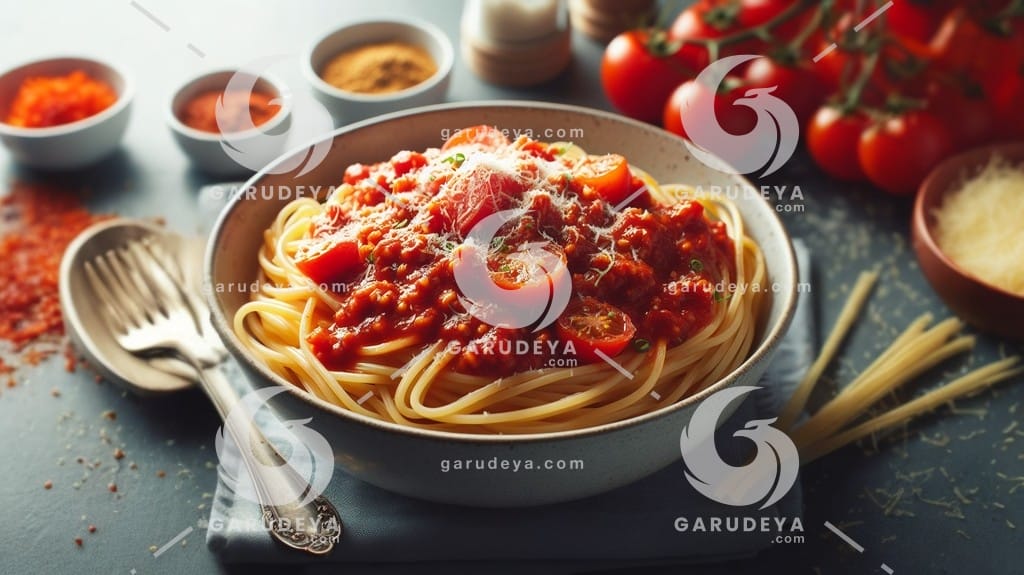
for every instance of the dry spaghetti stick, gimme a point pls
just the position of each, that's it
(850, 311)
(973, 381)
(920, 354)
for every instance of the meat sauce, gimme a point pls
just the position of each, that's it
(387, 243)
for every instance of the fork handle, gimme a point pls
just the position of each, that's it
(313, 526)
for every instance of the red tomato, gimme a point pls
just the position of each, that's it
(638, 73)
(832, 140)
(486, 137)
(798, 86)
(914, 20)
(608, 175)
(710, 19)
(592, 326)
(405, 161)
(970, 119)
(328, 259)
(1006, 104)
(733, 118)
(471, 196)
(898, 153)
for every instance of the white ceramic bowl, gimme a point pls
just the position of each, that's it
(346, 107)
(408, 460)
(253, 148)
(74, 145)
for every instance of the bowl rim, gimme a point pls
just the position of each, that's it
(444, 67)
(284, 94)
(124, 99)
(943, 180)
(224, 326)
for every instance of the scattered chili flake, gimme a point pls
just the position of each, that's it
(109, 414)
(161, 473)
(133, 466)
(39, 223)
(44, 101)
(112, 487)
(47, 484)
(11, 382)
(78, 541)
(118, 453)
(91, 528)
(70, 359)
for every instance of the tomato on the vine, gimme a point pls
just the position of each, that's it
(709, 19)
(797, 85)
(639, 72)
(693, 94)
(970, 118)
(832, 139)
(897, 153)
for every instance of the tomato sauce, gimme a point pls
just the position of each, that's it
(402, 221)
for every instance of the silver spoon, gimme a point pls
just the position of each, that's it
(105, 272)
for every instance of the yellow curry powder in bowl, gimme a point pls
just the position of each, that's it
(379, 68)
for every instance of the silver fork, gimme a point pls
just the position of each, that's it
(148, 314)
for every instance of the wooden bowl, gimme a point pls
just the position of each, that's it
(987, 307)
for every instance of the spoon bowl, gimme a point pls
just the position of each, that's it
(85, 325)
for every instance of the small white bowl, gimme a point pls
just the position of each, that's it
(346, 107)
(251, 149)
(68, 146)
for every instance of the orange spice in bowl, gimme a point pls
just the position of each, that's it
(46, 101)
(239, 110)
(379, 68)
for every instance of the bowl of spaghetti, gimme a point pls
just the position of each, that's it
(462, 292)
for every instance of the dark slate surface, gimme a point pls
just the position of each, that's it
(901, 503)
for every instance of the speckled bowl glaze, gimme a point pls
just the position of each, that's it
(408, 461)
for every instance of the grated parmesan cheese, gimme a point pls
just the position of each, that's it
(979, 226)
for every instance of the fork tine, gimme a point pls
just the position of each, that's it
(128, 298)
(112, 312)
(165, 287)
(135, 272)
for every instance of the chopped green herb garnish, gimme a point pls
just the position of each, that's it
(455, 160)
(370, 259)
(696, 265)
(720, 297)
(641, 344)
(400, 225)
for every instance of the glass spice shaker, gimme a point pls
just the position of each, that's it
(516, 42)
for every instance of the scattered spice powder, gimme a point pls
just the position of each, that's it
(47, 484)
(118, 453)
(92, 528)
(45, 101)
(161, 474)
(36, 225)
(239, 110)
(112, 487)
(78, 541)
(379, 68)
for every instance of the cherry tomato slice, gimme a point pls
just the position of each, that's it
(608, 175)
(591, 325)
(472, 196)
(482, 136)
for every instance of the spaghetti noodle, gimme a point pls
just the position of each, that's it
(358, 303)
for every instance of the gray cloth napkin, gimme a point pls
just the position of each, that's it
(628, 527)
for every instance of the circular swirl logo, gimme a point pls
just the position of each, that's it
(302, 448)
(767, 477)
(253, 147)
(770, 143)
(539, 283)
